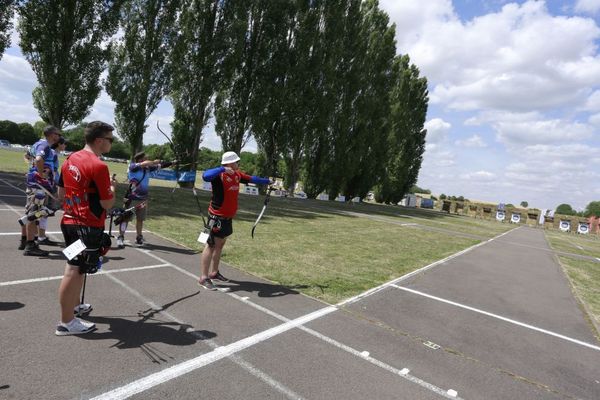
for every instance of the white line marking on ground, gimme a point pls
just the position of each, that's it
(13, 209)
(103, 272)
(416, 272)
(11, 185)
(404, 373)
(219, 353)
(316, 334)
(489, 314)
(235, 358)
(48, 233)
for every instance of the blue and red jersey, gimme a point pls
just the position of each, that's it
(226, 188)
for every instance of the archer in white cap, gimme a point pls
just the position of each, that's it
(225, 181)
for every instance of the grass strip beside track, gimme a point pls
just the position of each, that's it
(311, 246)
(585, 277)
(588, 245)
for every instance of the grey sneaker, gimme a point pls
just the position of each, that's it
(218, 276)
(121, 242)
(207, 284)
(81, 310)
(75, 327)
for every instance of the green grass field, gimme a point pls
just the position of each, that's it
(584, 275)
(327, 250)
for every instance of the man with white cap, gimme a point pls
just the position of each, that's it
(225, 181)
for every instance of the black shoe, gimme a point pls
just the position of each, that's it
(219, 277)
(139, 240)
(32, 249)
(47, 242)
(22, 244)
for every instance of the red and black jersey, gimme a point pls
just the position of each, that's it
(86, 181)
(225, 191)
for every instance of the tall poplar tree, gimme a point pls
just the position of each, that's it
(140, 67)
(6, 14)
(406, 140)
(65, 43)
(198, 69)
(237, 90)
(370, 122)
(267, 111)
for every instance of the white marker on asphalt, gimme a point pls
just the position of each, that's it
(452, 392)
(404, 371)
(365, 354)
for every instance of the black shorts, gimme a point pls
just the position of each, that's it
(92, 237)
(222, 227)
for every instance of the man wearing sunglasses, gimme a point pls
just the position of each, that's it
(87, 193)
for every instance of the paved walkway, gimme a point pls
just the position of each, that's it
(495, 322)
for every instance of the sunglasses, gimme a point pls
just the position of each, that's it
(110, 139)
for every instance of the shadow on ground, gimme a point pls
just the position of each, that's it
(263, 289)
(148, 329)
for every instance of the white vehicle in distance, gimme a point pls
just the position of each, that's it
(5, 143)
(300, 195)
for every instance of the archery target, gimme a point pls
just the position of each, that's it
(515, 218)
(565, 226)
(500, 216)
(583, 228)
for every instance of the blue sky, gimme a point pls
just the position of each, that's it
(514, 97)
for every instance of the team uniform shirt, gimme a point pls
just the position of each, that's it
(226, 188)
(54, 165)
(41, 148)
(139, 177)
(86, 181)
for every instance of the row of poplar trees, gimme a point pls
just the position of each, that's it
(316, 83)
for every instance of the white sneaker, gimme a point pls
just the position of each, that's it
(120, 242)
(82, 309)
(75, 327)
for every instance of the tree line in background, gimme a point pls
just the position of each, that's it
(316, 83)
(26, 134)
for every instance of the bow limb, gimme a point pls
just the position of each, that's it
(266, 202)
(175, 154)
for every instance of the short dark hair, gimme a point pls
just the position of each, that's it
(139, 156)
(95, 130)
(61, 140)
(50, 129)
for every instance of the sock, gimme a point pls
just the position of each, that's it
(24, 238)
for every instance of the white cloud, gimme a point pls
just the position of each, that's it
(594, 120)
(541, 131)
(484, 176)
(437, 130)
(516, 59)
(587, 6)
(473, 141)
(593, 102)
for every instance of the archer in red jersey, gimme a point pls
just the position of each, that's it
(86, 190)
(225, 181)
